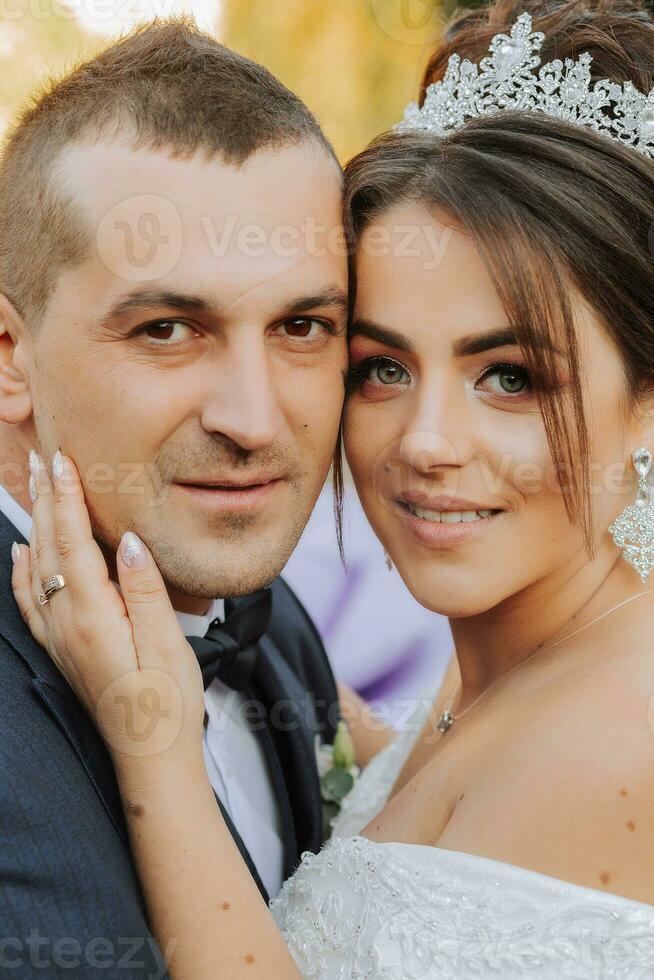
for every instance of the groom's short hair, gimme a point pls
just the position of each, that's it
(166, 85)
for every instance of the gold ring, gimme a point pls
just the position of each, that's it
(50, 586)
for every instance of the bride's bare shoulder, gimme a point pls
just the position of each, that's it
(567, 786)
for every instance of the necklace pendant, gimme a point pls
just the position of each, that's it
(445, 721)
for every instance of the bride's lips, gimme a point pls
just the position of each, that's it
(229, 495)
(438, 534)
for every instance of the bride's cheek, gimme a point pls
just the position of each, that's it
(356, 438)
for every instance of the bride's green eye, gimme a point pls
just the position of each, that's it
(377, 372)
(512, 379)
(387, 373)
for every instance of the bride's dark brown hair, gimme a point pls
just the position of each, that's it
(549, 204)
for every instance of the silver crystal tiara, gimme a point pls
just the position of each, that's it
(505, 79)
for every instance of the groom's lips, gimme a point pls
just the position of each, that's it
(231, 495)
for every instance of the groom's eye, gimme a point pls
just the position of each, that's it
(304, 329)
(164, 332)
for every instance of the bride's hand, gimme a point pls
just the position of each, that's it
(125, 656)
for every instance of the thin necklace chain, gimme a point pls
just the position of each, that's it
(447, 719)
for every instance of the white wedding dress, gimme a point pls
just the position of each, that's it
(406, 911)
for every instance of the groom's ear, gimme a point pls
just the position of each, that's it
(15, 345)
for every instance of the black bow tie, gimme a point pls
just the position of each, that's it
(229, 650)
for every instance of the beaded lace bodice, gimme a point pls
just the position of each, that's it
(403, 911)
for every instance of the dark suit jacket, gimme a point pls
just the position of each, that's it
(70, 900)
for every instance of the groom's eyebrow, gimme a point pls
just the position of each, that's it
(332, 297)
(146, 299)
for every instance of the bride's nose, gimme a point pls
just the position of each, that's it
(425, 450)
(439, 431)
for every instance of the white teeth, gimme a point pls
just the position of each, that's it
(427, 515)
(449, 516)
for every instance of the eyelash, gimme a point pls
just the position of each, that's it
(141, 331)
(326, 324)
(358, 373)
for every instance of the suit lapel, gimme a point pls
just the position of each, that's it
(287, 740)
(54, 691)
(245, 854)
(89, 748)
(282, 798)
(286, 737)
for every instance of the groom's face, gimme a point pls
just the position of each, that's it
(193, 365)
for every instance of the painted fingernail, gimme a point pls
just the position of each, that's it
(132, 550)
(15, 552)
(57, 465)
(32, 487)
(34, 463)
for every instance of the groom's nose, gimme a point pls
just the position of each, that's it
(243, 401)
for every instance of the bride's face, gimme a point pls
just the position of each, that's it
(443, 432)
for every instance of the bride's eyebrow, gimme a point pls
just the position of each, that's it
(478, 343)
(363, 327)
(465, 346)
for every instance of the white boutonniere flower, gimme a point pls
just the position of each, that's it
(338, 773)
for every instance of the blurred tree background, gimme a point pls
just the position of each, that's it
(356, 63)
(36, 39)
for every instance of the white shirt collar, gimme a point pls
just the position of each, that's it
(191, 624)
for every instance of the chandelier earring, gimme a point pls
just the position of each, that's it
(633, 530)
